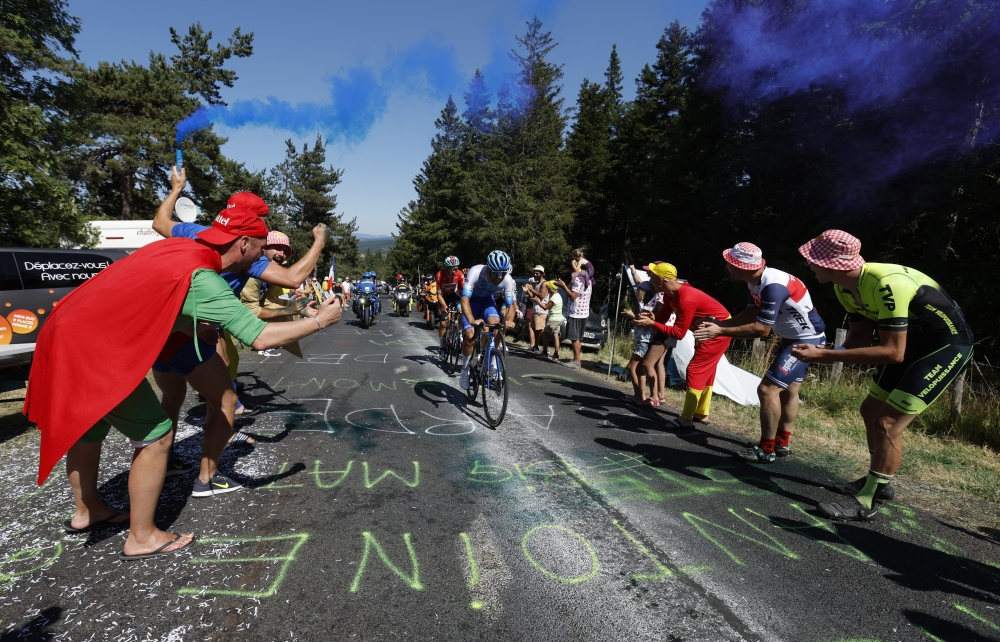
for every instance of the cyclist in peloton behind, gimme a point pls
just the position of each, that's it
(450, 282)
(478, 304)
(923, 345)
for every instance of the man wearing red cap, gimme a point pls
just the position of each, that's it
(778, 302)
(264, 269)
(924, 343)
(691, 306)
(75, 405)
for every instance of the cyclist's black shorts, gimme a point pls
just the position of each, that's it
(913, 385)
(450, 300)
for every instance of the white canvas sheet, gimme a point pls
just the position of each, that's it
(730, 381)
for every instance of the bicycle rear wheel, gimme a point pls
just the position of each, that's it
(495, 388)
(453, 341)
(473, 388)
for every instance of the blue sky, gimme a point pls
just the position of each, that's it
(301, 46)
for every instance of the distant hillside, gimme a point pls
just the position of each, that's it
(375, 243)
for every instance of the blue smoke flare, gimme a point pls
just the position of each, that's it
(358, 98)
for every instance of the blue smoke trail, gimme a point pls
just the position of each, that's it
(358, 98)
(929, 68)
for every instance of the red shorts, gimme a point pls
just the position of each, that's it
(707, 354)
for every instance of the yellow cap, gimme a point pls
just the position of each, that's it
(665, 271)
(552, 285)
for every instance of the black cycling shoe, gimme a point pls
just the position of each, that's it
(849, 511)
(883, 493)
(755, 455)
(782, 451)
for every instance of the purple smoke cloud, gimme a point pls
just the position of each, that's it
(929, 68)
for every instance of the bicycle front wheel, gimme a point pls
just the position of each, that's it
(495, 388)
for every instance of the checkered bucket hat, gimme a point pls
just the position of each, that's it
(275, 237)
(835, 250)
(745, 256)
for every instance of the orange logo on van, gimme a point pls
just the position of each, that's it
(5, 333)
(22, 321)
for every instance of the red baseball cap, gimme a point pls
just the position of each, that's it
(232, 223)
(835, 250)
(252, 202)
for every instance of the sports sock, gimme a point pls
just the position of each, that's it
(690, 403)
(867, 494)
(705, 402)
(465, 363)
(781, 439)
(767, 445)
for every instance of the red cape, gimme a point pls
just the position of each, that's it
(102, 338)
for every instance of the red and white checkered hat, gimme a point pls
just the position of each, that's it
(834, 249)
(274, 237)
(745, 256)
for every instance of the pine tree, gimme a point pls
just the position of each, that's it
(594, 147)
(520, 198)
(129, 113)
(39, 208)
(313, 202)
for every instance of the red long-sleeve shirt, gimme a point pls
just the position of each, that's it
(688, 304)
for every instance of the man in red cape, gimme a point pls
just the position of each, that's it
(75, 404)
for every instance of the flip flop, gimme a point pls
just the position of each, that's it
(158, 551)
(248, 411)
(104, 522)
(675, 423)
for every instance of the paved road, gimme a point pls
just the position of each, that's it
(379, 505)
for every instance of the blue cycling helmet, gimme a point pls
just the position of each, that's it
(451, 261)
(498, 261)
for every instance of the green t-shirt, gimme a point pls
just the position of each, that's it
(556, 311)
(210, 299)
(902, 299)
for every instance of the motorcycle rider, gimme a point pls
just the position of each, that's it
(366, 287)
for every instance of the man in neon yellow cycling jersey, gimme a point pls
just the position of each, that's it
(923, 345)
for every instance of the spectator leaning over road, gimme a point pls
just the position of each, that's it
(691, 306)
(924, 343)
(267, 303)
(536, 291)
(778, 302)
(643, 335)
(264, 268)
(76, 404)
(577, 312)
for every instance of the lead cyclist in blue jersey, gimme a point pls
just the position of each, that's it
(478, 304)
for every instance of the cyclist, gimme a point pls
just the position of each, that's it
(450, 282)
(924, 343)
(478, 304)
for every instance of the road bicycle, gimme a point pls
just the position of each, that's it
(453, 340)
(488, 371)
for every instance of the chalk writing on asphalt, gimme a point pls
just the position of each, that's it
(286, 560)
(28, 560)
(326, 479)
(412, 580)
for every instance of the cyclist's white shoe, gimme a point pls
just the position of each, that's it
(463, 382)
